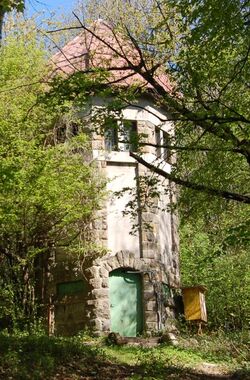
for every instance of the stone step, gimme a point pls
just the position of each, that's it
(134, 341)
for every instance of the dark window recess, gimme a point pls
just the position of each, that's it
(166, 151)
(129, 135)
(61, 133)
(64, 132)
(111, 137)
(70, 288)
(158, 142)
(162, 140)
(73, 130)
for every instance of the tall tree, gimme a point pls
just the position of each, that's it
(7, 6)
(49, 191)
(195, 58)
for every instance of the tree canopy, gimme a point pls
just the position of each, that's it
(49, 190)
(7, 6)
(202, 50)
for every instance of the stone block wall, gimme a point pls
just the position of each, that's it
(147, 131)
(91, 309)
(156, 316)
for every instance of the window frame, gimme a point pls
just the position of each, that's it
(119, 134)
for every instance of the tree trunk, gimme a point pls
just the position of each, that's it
(2, 13)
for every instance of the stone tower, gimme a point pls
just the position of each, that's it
(130, 289)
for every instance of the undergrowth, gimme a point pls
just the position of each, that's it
(24, 356)
(35, 357)
(219, 346)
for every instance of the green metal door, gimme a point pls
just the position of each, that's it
(125, 294)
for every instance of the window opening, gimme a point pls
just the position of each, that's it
(65, 132)
(74, 129)
(162, 139)
(121, 136)
(128, 136)
(111, 137)
(166, 151)
(158, 142)
(61, 134)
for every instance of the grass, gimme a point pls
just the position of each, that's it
(230, 348)
(35, 357)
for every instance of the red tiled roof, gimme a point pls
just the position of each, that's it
(102, 49)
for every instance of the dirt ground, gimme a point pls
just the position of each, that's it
(108, 370)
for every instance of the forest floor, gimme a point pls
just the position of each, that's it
(34, 357)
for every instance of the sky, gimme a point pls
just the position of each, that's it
(48, 6)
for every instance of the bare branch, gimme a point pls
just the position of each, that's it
(104, 42)
(22, 85)
(58, 47)
(63, 29)
(212, 124)
(191, 148)
(165, 19)
(192, 185)
(237, 71)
